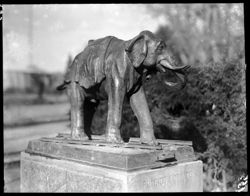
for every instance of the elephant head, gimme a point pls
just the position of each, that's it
(148, 51)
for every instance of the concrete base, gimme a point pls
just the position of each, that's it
(43, 174)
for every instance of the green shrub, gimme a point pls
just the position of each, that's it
(214, 101)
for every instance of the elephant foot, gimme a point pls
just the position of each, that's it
(113, 136)
(79, 134)
(149, 140)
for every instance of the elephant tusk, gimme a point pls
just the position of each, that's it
(160, 68)
(166, 64)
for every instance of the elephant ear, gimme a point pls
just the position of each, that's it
(136, 50)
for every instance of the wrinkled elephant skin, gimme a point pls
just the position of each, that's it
(110, 68)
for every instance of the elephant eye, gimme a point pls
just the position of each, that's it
(161, 46)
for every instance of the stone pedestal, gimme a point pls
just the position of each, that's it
(49, 166)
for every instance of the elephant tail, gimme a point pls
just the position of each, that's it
(62, 86)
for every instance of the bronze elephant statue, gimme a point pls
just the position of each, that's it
(111, 68)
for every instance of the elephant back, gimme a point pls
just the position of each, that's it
(88, 67)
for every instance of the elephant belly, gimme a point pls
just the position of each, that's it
(97, 92)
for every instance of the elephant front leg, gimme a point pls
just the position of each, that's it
(115, 102)
(77, 114)
(139, 106)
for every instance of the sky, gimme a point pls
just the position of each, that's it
(62, 30)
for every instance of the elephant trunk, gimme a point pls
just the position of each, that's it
(178, 72)
(179, 84)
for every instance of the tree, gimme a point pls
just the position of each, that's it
(206, 36)
(203, 33)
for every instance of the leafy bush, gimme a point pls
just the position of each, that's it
(214, 101)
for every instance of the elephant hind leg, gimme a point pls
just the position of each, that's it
(77, 97)
(89, 111)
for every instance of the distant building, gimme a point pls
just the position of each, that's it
(27, 80)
